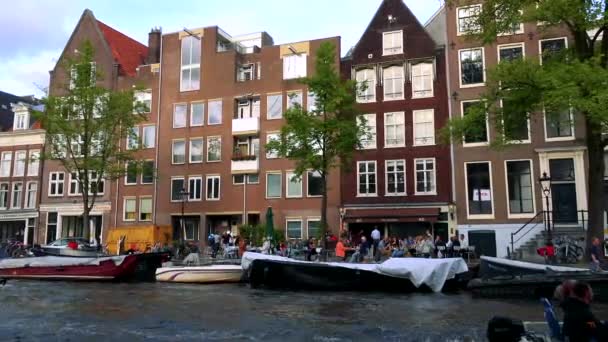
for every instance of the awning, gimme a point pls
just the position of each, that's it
(392, 215)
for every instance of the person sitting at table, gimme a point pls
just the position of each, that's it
(341, 249)
(311, 249)
(439, 243)
(427, 247)
(463, 242)
(361, 251)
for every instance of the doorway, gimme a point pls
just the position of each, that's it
(563, 191)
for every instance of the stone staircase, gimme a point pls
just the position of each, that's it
(527, 251)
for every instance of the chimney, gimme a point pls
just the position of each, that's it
(154, 46)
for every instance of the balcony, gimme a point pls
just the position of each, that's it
(245, 165)
(246, 126)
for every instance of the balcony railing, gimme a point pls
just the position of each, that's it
(246, 126)
(245, 164)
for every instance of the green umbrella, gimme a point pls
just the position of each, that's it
(269, 223)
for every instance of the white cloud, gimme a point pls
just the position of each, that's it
(23, 75)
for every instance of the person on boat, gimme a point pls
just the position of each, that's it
(579, 322)
(439, 243)
(427, 247)
(596, 255)
(341, 249)
(376, 237)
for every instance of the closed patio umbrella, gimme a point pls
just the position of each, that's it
(269, 223)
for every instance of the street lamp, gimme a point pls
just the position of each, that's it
(184, 197)
(545, 183)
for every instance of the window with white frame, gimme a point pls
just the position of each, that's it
(131, 175)
(550, 48)
(559, 125)
(215, 112)
(293, 186)
(511, 52)
(130, 209)
(516, 126)
(74, 188)
(144, 99)
(34, 163)
(20, 158)
(366, 178)
(273, 185)
(314, 228)
(294, 229)
(368, 141)
(195, 188)
(149, 136)
(214, 149)
(190, 63)
(133, 138)
(56, 183)
(366, 85)
(21, 120)
(213, 188)
(196, 150)
(519, 182)
(16, 195)
(32, 190)
(425, 176)
(293, 98)
(468, 19)
(394, 129)
(274, 104)
(147, 172)
(197, 114)
(145, 209)
(393, 82)
(471, 67)
(177, 186)
(422, 80)
(5, 164)
(178, 152)
(392, 43)
(4, 195)
(311, 101)
(246, 72)
(477, 132)
(314, 184)
(395, 177)
(76, 145)
(424, 127)
(294, 66)
(479, 188)
(180, 112)
(96, 183)
(272, 137)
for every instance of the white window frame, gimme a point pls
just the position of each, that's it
(21, 120)
(525, 141)
(7, 195)
(73, 180)
(288, 180)
(141, 179)
(20, 198)
(402, 130)
(434, 179)
(394, 80)
(5, 170)
(476, 144)
(308, 185)
(191, 191)
(509, 46)
(31, 194)
(175, 106)
(367, 178)
(141, 199)
(366, 97)
(96, 181)
(56, 182)
(397, 49)
(417, 121)
(294, 219)
(459, 31)
(124, 208)
(202, 140)
(20, 163)
(191, 66)
(311, 101)
(174, 178)
(192, 123)
(269, 137)
(280, 175)
(308, 221)
(540, 46)
(422, 93)
(372, 130)
(173, 142)
(133, 138)
(33, 164)
(392, 194)
(144, 97)
(298, 96)
(268, 106)
(565, 138)
(466, 181)
(210, 104)
(520, 216)
(144, 141)
(127, 183)
(214, 137)
(483, 68)
(295, 66)
(219, 187)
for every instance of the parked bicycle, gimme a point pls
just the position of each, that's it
(13, 249)
(568, 250)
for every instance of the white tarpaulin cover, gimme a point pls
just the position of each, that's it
(430, 272)
(55, 261)
(532, 266)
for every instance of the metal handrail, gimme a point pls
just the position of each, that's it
(523, 227)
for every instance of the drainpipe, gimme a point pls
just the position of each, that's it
(160, 79)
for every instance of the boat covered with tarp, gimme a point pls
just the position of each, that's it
(490, 267)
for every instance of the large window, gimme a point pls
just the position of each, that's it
(311, 101)
(274, 103)
(314, 228)
(392, 43)
(294, 66)
(32, 191)
(394, 129)
(197, 114)
(74, 185)
(314, 184)
(130, 209)
(393, 83)
(195, 188)
(56, 180)
(366, 85)
(96, 183)
(178, 152)
(213, 188)
(395, 177)
(196, 150)
(144, 99)
(20, 158)
(366, 178)
(471, 67)
(3, 195)
(559, 125)
(477, 132)
(293, 185)
(369, 141)
(177, 185)
(149, 137)
(145, 209)
(16, 195)
(21, 121)
(424, 127)
(147, 172)
(214, 149)
(425, 177)
(479, 189)
(422, 80)
(294, 98)
(273, 185)
(131, 176)
(133, 138)
(515, 125)
(215, 112)
(552, 47)
(5, 164)
(180, 112)
(294, 229)
(519, 179)
(34, 163)
(272, 137)
(191, 63)
(510, 53)
(467, 19)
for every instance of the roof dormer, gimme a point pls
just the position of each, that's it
(21, 120)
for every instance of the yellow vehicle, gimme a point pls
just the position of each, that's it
(139, 238)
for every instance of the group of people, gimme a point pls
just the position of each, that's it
(579, 323)
(228, 242)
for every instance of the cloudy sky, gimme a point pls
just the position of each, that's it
(34, 32)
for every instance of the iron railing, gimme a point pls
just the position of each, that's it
(533, 221)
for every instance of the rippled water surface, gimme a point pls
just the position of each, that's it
(58, 311)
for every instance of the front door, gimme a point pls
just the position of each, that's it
(563, 191)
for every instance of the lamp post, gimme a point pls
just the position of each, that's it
(184, 197)
(545, 183)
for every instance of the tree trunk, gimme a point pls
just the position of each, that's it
(595, 184)
(324, 211)
(85, 221)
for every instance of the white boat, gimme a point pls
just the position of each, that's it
(200, 274)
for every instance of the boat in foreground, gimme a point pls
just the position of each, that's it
(496, 267)
(395, 274)
(209, 274)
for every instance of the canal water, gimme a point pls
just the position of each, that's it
(61, 311)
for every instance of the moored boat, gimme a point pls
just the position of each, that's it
(208, 274)
(496, 267)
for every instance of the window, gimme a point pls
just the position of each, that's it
(424, 127)
(394, 129)
(395, 177)
(559, 125)
(477, 132)
(311, 101)
(197, 114)
(369, 141)
(519, 181)
(177, 185)
(393, 83)
(215, 112)
(247, 108)
(144, 99)
(21, 120)
(467, 19)
(293, 186)
(178, 152)
(3, 195)
(51, 227)
(5, 166)
(131, 176)
(195, 188)
(366, 178)
(272, 137)
(76, 145)
(366, 85)
(96, 183)
(179, 115)
(314, 228)
(422, 80)
(392, 43)
(273, 185)
(275, 106)
(74, 185)
(149, 136)
(238, 179)
(34, 163)
(16, 196)
(253, 179)
(425, 176)
(147, 172)
(510, 53)
(293, 98)
(294, 66)
(294, 229)
(132, 139)
(515, 125)
(56, 180)
(145, 209)
(246, 72)
(196, 150)
(550, 48)
(213, 188)
(479, 189)
(130, 209)
(315, 184)
(191, 63)
(471, 67)
(214, 149)
(20, 157)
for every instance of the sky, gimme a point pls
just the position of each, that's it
(34, 32)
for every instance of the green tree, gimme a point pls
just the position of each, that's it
(325, 135)
(84, 126)
(575, 79)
